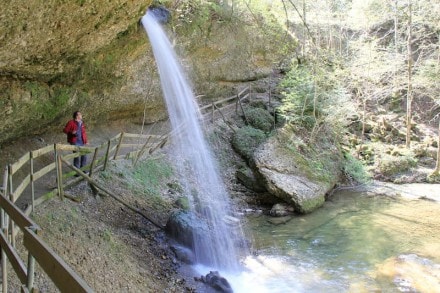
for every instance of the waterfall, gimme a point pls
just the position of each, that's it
(195, 162)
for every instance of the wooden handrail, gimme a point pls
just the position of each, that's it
(19, 163)
(14, 212)
(60, 273)
(15, 260)
(63, 277)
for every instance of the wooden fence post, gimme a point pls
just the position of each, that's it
(60, 177)
(11, 197)
(242, 110)
(106, 155)
(4, 272)
(31, 158)
(212, 112)
(55, 159)
(4, 230)
(236, 104)
(141, 151)
(30, 272)
(92, 165)
(118, 146)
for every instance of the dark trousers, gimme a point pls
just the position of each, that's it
(80, 161)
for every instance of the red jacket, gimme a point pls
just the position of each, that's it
(72, 127)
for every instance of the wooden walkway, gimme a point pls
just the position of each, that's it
(19, 182)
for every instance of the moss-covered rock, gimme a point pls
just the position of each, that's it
(246, 140)
(260, 119)
(299, 177)
(246, 176)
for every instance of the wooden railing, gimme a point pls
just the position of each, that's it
(218, 105)
(13, 220)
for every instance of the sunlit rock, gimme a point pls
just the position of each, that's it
(288, 178)
(409, 273)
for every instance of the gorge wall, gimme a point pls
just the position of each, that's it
(60, 56)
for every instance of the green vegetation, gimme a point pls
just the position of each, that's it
(391, 165)
(147, 179)
(298, 103)
(316, 110)
(47, 102)
(54, 106)
(313, 97)
(260, 119)
(152, 174)
(246, 140)
(319, 161)
(354, 170)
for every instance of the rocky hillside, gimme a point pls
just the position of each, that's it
(60, 56)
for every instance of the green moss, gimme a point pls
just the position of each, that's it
(146, 180)
(37, 90)
(246, 140)
(183, 203)
(310, 205)
(260, 119)
(319, 161)
(58, 102)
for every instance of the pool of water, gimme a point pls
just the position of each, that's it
(354, 243)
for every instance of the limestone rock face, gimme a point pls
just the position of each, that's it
(57, 57)
(287, 179)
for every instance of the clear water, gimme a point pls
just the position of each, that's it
(351, 244)
(197, 168)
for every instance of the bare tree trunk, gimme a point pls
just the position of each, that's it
(364, 115)
(396, 48)
(437, 166)
(409, 94)
(304, 31)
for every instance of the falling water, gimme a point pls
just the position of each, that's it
(195, 163)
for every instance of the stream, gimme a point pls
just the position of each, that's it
(357, 242)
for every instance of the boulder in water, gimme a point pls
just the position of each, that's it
(281, 210)
(287, 177)
(216, 281)
(184, 226)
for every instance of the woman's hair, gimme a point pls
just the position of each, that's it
(75, 114)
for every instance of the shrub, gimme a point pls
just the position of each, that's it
(260, 119)
(354, 169)
(246, 140)
(391, 165)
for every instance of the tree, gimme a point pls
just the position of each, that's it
(409, 96)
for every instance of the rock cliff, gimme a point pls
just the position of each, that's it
(60, 56)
